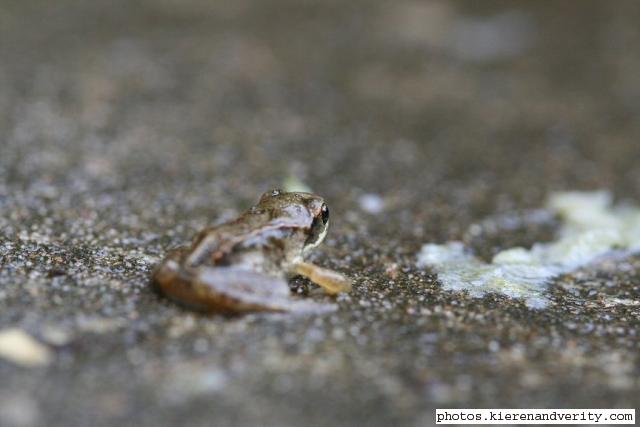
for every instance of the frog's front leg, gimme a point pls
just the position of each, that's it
(331, 281)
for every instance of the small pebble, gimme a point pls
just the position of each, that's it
(20, 348)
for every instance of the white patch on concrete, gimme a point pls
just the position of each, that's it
(592, 228)
(371, 203)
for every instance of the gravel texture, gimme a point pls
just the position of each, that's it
(126, 127)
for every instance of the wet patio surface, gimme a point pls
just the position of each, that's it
(126, 128)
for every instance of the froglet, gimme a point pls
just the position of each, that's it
(243, 265)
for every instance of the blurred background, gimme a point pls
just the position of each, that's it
(126, 127)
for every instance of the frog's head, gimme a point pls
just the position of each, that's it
(305, 212)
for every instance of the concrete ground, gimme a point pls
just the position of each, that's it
(126, 127)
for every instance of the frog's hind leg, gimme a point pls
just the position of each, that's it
(231, 290)
(227, 289)
(331, 281)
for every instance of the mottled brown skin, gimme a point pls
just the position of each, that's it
(243, 265)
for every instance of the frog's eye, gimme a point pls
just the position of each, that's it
(319, 227)
(325, 214)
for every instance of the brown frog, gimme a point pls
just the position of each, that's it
(243, 265)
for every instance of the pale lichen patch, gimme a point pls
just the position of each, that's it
(592, 228)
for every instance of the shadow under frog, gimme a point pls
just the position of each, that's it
(243, 265)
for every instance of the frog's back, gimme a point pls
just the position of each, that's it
(213, 245)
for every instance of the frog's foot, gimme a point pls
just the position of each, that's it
(331, 281)
(228, 290)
